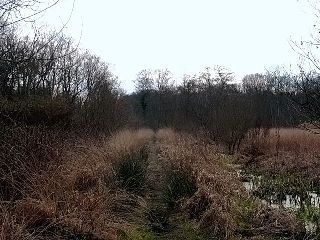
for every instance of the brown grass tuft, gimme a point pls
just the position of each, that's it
(72, 194)
(212, 204)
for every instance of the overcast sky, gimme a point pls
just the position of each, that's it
(184, 36)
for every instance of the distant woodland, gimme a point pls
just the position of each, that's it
(47, 80)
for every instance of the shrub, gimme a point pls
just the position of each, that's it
(130, 171)
(180, 184)
(36, 111)
(25, 151)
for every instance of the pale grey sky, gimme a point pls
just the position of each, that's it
(184, 36)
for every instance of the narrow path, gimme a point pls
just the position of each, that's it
(157, 214)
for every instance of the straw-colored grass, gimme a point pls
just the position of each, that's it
(294, 140)
(74, 197)
(219, 204)
(88, 192)
(127, 140)
(285, 151)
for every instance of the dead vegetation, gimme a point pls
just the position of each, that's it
(219, 205)
(283, 151)
(72, 195)
(136, 184)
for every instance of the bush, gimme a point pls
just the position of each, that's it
(130, 171)
(36, 111)
(25, 151)
(181, 183)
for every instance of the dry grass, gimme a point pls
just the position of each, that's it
(128, 140)
(72, 196)
(220, 204)
(285, 151)
(212, 203)
(165, 134)
(76, 195)
(293, 140)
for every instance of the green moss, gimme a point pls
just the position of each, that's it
(188, 230)
(139, 233)
(248, 205)
(309, 213)
(228, 159)
(183, 230)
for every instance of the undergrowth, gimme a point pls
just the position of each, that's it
(101, 189)
(130, 170)
(180, 184)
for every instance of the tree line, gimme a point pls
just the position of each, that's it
(48, 80)
(211, 102)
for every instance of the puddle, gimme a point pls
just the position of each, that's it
(252, 183)
(248, 185)
(306, 200)
(294, 202)
(310, 227)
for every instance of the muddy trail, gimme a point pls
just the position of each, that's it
(157, 215)
(161, 219)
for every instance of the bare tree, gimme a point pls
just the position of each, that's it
(306, 84)
(145, 80)
(13, 11)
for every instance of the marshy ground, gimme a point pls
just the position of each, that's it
(141, 184)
